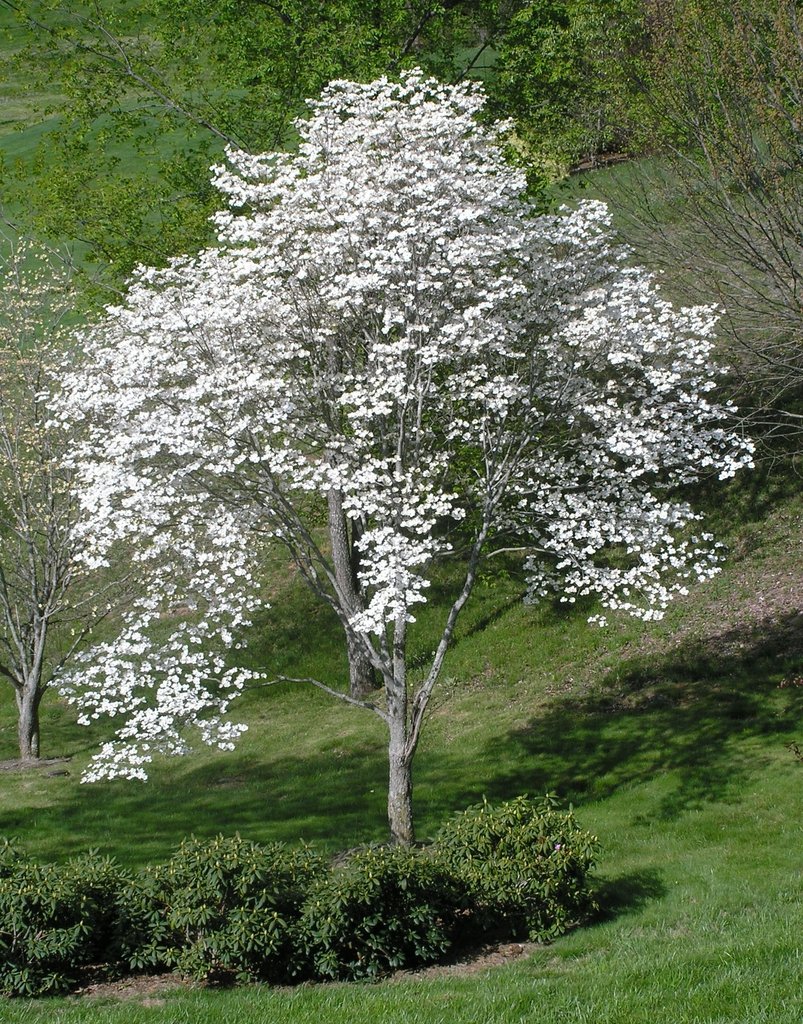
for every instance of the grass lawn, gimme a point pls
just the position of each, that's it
(673, 741)
(702, 924)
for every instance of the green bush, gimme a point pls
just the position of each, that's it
(565, 74)
(222, 909)
(55, 921)
(524, 865)
(384, 909)
(228, 909)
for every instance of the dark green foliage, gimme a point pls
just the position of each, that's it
(524, 865)
(227, 909)
(565, 76)
(56, 920)
(222, 909)
(386, 908)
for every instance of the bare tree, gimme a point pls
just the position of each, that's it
(46, 604)
(724, 210)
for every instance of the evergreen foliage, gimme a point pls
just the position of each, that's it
(227, 909)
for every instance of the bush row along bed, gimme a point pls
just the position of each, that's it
(229, 909)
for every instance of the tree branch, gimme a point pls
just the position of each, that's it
(339, 694)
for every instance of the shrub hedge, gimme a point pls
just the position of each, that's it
(222, 909)
(385, 908)
(227, 909)
(57, 921)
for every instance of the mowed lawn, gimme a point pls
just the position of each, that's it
(680, 745)
(676, 743)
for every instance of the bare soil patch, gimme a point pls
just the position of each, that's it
(146, 989)
(471, 961)
(151, 989)
(761, 609)
(40, 764)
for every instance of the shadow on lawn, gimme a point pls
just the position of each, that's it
(324, 799)
(678, 712)
(627, 894)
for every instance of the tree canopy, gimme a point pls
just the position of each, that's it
(385, 321)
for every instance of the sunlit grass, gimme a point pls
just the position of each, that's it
(701, 924)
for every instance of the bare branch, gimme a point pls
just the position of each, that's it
(340, 695)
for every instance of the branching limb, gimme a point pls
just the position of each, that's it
(338, 694)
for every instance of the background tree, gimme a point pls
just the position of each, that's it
(388, 331)
(46, 607)
(725, 93)
(143, 96)
(565, 74)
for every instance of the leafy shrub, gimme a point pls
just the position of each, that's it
(222, 909)
(56, 920)
(10, 857)
(384, 909)
(227, 908)
(524, 866)
(566, 74)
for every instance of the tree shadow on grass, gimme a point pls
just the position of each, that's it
(627, 894)
(679, 713)
(324, 798)
(682, 713)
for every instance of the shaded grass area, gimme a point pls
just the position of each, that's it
(532, 700)
(698, 713)
(701, 924)
(675, 743)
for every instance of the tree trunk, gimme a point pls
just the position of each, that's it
(400, 750)
(400, 796)
(28, 723)
(362, 676)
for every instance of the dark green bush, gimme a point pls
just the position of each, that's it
(223, 909)
(55, 921)
(524, 865)
(565, 73)
(384, 909)
(228, 909)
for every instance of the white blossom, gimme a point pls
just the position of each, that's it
(382, 315)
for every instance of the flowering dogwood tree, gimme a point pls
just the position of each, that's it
(385, 332)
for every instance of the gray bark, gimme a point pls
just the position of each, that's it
(28, 700)
(400, 793)
(400, 750)
(362, 676)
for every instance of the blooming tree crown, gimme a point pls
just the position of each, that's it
(384, 317)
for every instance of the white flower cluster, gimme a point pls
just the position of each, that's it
(383, 316)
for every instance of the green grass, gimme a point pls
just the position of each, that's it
(672, 741)
(703, 910)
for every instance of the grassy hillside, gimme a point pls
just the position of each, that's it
(679, 744)
(675, 742)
